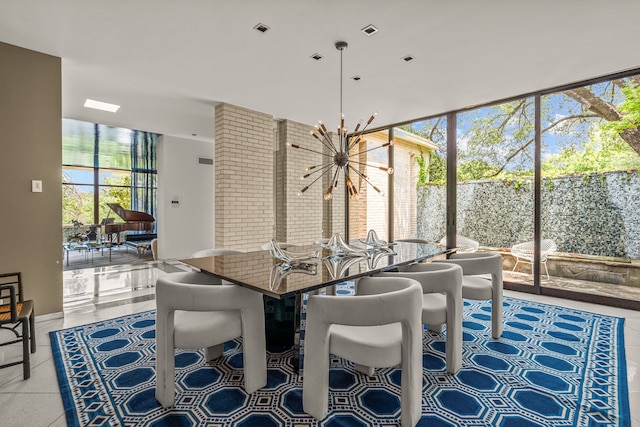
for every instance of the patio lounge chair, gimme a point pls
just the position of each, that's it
(523, 252)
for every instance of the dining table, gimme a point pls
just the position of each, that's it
(284, 282)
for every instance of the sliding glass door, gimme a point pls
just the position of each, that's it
(495, 192)
(590, 186)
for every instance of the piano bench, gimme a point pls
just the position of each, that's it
(141, 246)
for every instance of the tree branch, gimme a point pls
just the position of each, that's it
(530, 141)
(594, 103)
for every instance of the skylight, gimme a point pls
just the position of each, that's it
(99, 105)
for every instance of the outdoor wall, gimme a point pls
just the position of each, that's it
(595, 214)
(188, 226)
(31, 147)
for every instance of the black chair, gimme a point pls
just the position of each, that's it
(15, 311)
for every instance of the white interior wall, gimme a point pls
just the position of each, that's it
(188, 226)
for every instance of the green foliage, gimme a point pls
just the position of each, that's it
(517, 184)
(423, 173)
(605, 151)
(77, 201)
(77, 205)
(630, 109)
(437, 168)
(472, 170)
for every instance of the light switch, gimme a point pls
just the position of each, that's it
(36, 186)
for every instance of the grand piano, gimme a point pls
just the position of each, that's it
(133, 220)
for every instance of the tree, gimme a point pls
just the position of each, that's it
(502, 136)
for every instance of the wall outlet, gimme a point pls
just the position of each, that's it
(36, 186)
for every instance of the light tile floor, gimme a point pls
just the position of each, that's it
(102, 293)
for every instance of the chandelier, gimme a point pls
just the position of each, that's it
(339, 160)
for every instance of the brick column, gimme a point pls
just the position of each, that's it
(244, 184)
(298, 218)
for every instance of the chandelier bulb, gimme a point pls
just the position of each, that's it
(390, 171)
(288, 144)
(329, 193)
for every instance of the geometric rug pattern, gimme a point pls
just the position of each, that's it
(553, 366)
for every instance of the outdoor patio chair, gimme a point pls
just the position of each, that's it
(464, 244)
(15, 311)
(192, 314)
(380, 327)
(523, 252)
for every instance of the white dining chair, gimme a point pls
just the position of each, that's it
(463, 244)
(482, 280)
(193, 314)
(214, 252)
(380, 327)
(441, 303)
(282, 245)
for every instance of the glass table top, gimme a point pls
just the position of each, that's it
(260, 271)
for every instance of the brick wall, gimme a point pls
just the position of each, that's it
(244, 178)
(298, 218)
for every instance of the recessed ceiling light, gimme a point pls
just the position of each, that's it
(369, 30)
(356, 78)
(98, 105)
(408, 58)
(261, 27)
(316, 56)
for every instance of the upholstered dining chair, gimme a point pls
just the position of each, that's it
(441, 303)
(192, 314)
(482, 280)
(215, 252)
(16, 312)
(283, 245)
(464, 244)
(413, 240)
(381, 327)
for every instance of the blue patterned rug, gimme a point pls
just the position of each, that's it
(553, 367)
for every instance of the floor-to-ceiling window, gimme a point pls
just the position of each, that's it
(104, 164)
(569, 154)
(495, 166)
(420, 197)
(590, 186)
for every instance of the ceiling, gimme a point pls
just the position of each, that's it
(168, 63)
